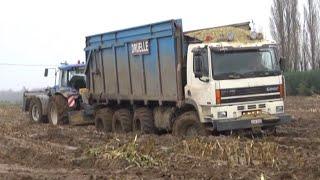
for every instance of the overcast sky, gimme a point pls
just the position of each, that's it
(47, 32)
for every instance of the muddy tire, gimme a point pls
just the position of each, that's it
(122, 121)
(163, 118)
(143, 121)
(188, 124)
(35, 111)
(57, 110)
(103, 120)
(270, 131)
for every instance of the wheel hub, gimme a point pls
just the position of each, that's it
(54, 115)
(35, 113)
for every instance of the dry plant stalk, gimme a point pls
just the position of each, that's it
(129, 152)
(233, 152)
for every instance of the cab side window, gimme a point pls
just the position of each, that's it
(64, 78)
(200, 62)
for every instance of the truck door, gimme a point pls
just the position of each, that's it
(200, 87)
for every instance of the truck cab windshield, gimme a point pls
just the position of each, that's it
(244, 64)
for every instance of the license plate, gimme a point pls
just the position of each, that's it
(256, 121)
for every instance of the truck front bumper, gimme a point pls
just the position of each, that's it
(248, 123)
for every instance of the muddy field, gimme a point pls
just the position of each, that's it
(42, 151)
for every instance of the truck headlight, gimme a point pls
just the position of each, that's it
(279, 109)
(222, 114)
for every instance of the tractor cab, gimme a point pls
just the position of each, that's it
(72, 76)
(69, 76)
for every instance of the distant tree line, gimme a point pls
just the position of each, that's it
(11, 97)
(297, 33)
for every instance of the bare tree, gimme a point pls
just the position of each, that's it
(312, 18)
(277, 24)
(294, 34)
(305, 53)
(285, 29)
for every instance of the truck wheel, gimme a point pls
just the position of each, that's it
(143, 121)
(122, 121)
(103, 120)
(188, 124)
(163, 118)
(270, 131)
(57, 111)
(35, 111)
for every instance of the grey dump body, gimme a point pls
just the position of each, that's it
(138, 64)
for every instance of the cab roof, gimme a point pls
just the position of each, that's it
(67, 67)
(237, 45)
(233, 35)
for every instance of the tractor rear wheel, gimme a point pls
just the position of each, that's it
(57, 110)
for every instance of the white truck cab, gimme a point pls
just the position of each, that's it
(236, 85)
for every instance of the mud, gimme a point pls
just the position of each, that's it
(42, 151)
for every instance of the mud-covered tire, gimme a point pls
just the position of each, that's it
(98, 123)
(35, 111)
(143, 121)
(163, 118)
(57, 110)
(122, 121)
(270, 131)
(188, 124)
(103, 120)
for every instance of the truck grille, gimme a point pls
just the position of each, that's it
(262, 105)
(250, 94)
(257, 98)
(240, 108)
(252, 106)
(249, 91)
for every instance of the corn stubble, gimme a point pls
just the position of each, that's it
(234, 152)
(226, 151)
(134, 154)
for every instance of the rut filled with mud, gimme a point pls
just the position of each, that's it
(43, 151)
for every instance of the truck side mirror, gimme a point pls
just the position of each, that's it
(200, 63)
(282, 63)
(45, 72)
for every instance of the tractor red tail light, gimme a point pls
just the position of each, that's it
(218, 96)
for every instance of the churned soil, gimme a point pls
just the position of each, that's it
(43, 151)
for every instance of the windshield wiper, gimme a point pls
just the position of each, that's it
(231, 75)
(261, 73)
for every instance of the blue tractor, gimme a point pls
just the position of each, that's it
(54, 104)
